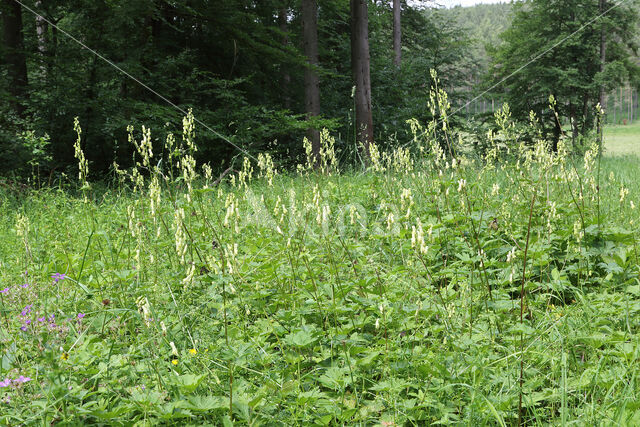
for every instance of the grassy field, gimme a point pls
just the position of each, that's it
(622, 140)
(419, 292)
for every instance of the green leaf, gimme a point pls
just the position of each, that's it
(300, 338)
(206, 403)
(226, 421)
(187, 382)
(335, 378)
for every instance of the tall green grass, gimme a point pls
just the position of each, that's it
(622, 140)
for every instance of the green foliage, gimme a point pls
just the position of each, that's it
(570, 70)
(25, 154)
(227, 61)
(432, 41)
(390, 296)
(485, 23)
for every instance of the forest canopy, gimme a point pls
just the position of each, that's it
(239, 64)
(248, 70)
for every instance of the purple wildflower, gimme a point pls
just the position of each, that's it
(4, 291)
(52, 318)
(26, 310)
(26, 285)
(41, 319)
(5, 383)
(58, 276)
(80, 316)
(22, 379)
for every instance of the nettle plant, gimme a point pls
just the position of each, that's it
(434, 287)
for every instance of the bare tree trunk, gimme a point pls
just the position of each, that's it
(42, 33)
(397, 34)
(557, 132)
(286, 77)
(42, 29)
(360, 63)
(621, 105)
(311, 81)
(15, 58)
(630, 106)
(634, 101)
(585, 113)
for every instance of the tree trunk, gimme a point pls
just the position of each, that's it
(42, 33)
(630, 106)
(42, 29)
(621, 106)
(585, 113)
(311, 82)
(397, 34)
(360, 61)
(286, 77)
(557, 129)
(557, 132)
(633, 104)
(15, 57)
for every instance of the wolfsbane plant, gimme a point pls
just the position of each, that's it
(397, 296)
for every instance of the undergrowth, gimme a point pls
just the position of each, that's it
(432, 288)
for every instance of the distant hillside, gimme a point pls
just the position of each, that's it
(485, 23)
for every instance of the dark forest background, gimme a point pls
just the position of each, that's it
(240, 65)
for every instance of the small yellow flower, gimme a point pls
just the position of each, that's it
(64, 356)
(174, 361)
(193, 351)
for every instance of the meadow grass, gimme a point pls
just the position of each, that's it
(423, 290)
(622, 140)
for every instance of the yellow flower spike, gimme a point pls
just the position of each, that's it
(193, 351)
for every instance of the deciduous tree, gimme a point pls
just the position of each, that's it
(360, 65)
(397, 34)
(556, 47)
(311, 81)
